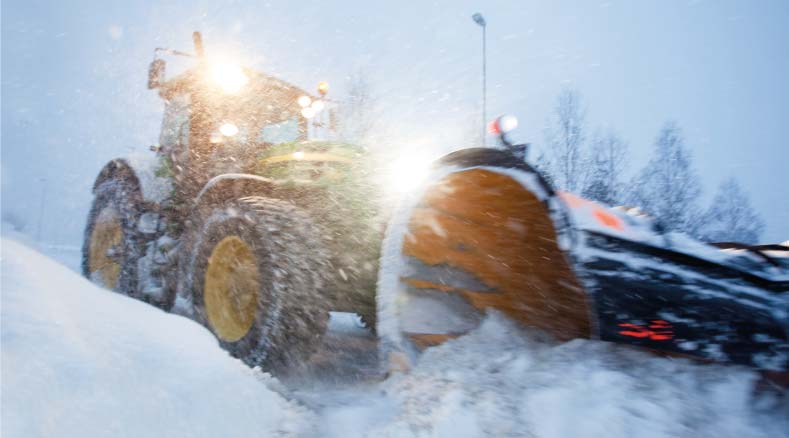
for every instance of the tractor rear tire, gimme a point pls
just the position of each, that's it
(257, 270)
(110, 251)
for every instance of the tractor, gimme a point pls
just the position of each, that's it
(240, 221)
(248, 226)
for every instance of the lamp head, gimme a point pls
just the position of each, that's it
(479, 19)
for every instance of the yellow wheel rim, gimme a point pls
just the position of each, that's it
(105, 249)
(232, 281)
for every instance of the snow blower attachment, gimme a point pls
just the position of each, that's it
(487, 231)
(467, 237)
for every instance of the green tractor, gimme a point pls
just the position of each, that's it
(240, 222)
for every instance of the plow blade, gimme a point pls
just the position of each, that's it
(486, 231)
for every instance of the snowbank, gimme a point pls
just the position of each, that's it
(80, 361)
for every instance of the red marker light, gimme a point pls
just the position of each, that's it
(493, 127)
(658, 330)
(635, 331)
(661, 330)
(503, 124)
(608, 219)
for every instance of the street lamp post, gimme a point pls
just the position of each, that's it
(41, 208)
(480, 20)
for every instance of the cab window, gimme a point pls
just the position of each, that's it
(284, 132)
(175, 124)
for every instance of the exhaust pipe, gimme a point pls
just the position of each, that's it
(198, 40)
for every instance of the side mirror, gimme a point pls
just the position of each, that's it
(156, 73)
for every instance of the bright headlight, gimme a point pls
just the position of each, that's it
(318, 106)
(503, 124)
(228, 129)
(408, 172)
(229, 76)
(308, 112)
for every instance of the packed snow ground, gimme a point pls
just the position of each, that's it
(81, 361)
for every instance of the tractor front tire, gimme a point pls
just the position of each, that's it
(110, 251)
(257, 270)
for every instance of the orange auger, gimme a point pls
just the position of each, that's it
(482, 236)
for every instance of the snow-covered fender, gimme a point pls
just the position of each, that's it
(117, 169)
(140, 172)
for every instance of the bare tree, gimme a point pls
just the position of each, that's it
(543, 165)
(730, 217)
(606, 167)
(565, 138)
(357, 112)
(668, 187)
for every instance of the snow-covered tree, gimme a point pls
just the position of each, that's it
(606, 167)
(731, 218)
(668, 188)
(565, 139)
(14, 219)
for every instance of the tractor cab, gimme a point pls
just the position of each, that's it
(220, 117)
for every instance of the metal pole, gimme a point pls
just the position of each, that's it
(484, 87)
(480, 20)
(41, 207)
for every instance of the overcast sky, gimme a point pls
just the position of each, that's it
(74, 72)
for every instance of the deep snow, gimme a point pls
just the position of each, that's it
(78, 361)
(81, 361)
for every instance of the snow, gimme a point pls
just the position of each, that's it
(501, 380)
(80, 361)
(393, 263)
